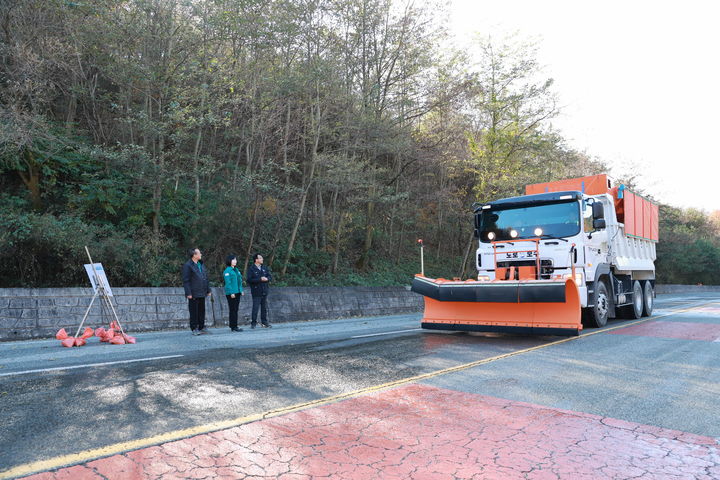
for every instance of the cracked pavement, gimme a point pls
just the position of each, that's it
(421, 432)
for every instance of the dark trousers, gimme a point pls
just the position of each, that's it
(233, 304)
(197, 313)
(259, 303)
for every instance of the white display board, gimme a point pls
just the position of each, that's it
(100, 271)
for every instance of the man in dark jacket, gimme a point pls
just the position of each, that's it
(197, 287)
(259, 278)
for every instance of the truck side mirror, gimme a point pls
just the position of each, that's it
(477, 233)
(598, 223)
(598, 212)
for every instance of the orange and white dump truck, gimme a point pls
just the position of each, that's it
(567, 253)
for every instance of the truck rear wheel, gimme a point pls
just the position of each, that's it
(648, 298)
(634, 310)
(597, 315)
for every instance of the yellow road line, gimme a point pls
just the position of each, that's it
(114, 449)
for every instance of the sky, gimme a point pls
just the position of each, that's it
(638, 82)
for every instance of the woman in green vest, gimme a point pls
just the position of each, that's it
(233, 290)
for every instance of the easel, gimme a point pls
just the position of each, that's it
(105, 299)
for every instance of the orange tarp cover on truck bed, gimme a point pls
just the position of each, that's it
(639, 215)
(593, 185)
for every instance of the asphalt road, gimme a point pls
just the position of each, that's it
(53, 401)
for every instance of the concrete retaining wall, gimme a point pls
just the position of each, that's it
(40, 312)
(686, 288)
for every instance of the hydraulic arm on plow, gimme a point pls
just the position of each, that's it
(548, 262)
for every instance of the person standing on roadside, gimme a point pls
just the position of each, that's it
(259, 277)
(233, 290)
(197, 287)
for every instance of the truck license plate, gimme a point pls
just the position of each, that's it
(521, 255)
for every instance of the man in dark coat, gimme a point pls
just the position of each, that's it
(197, 287)
(259, 278)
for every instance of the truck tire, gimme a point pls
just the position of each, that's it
(635, 309)
(597, 315)
(648, 298)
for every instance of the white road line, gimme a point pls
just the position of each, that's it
(89, 365)
(387, 333)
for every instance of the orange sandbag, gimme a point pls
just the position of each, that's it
(87, 333)
(114, 325)
(99, 332)
(118, 340)
(107, 335)
(79, 342)
(61, 334)
(129, 339)
(68, 342)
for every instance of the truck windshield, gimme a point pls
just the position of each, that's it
(549, 220)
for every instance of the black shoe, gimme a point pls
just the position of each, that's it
(253, 325)
(204, 331)
(236, 329)
(195, 332)
(266, 325)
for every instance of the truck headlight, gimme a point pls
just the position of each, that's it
(483, 278)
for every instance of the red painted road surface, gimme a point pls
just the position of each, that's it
(679, 330)
(421, 432)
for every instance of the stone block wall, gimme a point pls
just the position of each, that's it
(27, 313)
(668, 288)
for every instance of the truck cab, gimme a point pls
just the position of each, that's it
(568, 235)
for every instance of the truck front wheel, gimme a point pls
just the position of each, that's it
(597, 315)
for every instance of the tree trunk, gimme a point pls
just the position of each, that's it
(157, 197)
(196, 164)
(369, 230)
(322, 226)
(236, 169)
(315, 122)
(467, 255)
(400, 244)
(286, 139)
(316, 222)
(338, 238)
(252, 231)
(31, 179)
(276, 240)
(296, 227)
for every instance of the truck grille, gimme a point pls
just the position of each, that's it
(546, 266)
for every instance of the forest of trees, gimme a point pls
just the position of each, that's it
(326, 134)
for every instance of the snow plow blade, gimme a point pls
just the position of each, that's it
(539, 307)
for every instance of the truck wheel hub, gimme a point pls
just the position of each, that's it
(602, 306)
